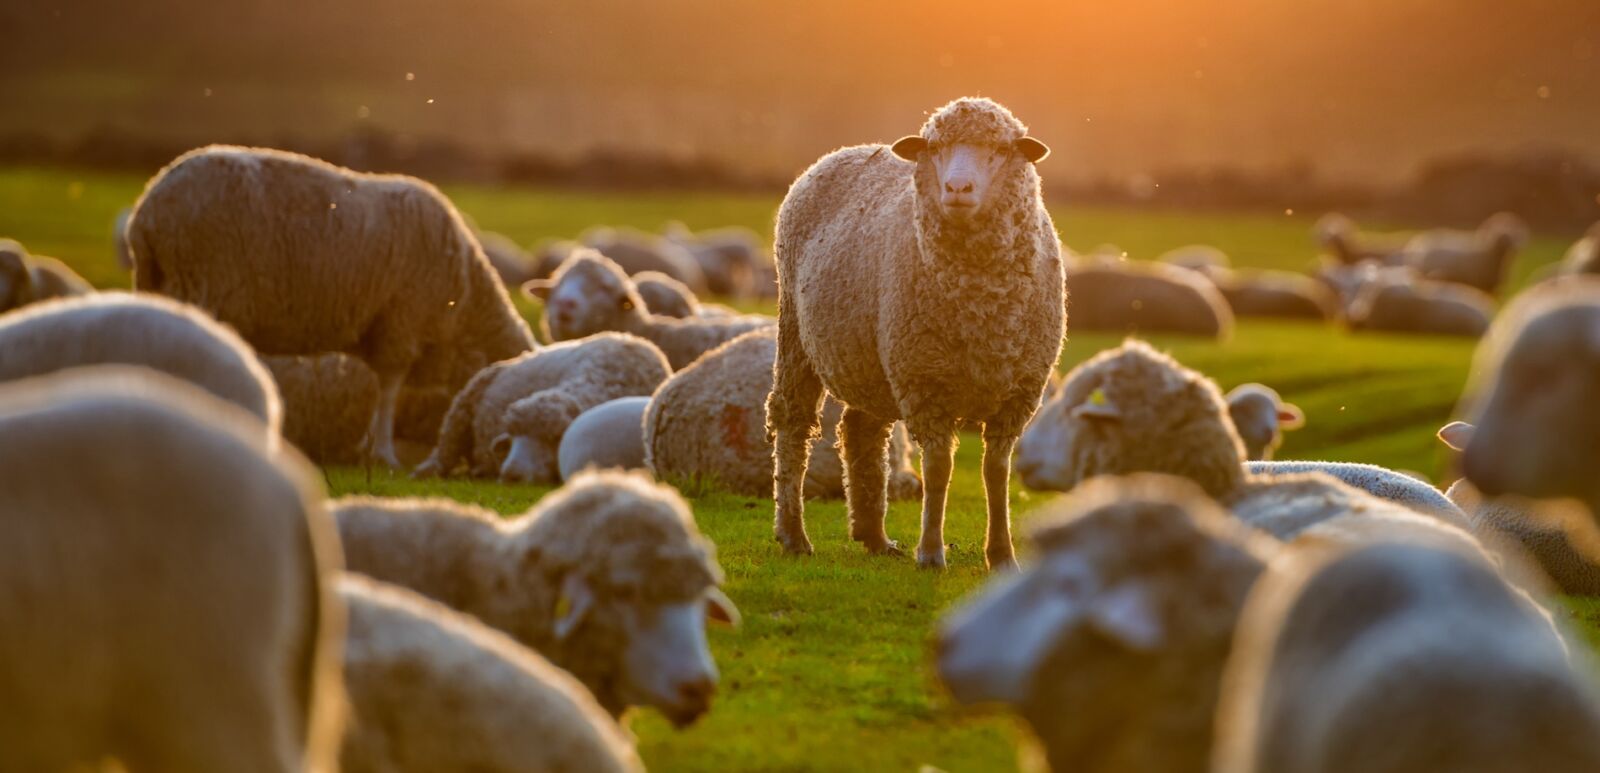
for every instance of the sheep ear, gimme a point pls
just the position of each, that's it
(1290, 416)
(909, 147)
(1128, 614)
(1457, 434)
(1032, 149)
(720, 608)
(537, 288)
(572, 605)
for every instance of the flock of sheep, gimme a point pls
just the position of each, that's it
(1192, 604)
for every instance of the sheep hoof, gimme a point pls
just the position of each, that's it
(930, 559)
(882, 546)
(1005, 564)
(796, 546)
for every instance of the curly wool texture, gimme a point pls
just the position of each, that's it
(537, 395)
(327, 404)
(1380, 482)
(303, 257)
(612, 302)
(709, 423)
(1477, 259)
(435, 690)
(1442, 666)
(1564, 550)
(633, 542)
(119, 328)
(1133, 297)
(178, 548)
(26, 279)
(1402, 304)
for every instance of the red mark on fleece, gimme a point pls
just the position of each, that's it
(732, 422)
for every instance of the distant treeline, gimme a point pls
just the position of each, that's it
(1553, 189)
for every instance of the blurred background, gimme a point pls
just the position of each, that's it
(1420, 110)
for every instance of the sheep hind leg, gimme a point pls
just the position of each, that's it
(381, 432)
(997, 549)
(864, 444)
(938, 461)
(793, 421)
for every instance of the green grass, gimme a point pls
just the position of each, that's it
(830, 671)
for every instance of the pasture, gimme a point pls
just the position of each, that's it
(831, 669)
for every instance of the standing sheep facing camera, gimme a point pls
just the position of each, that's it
(124, 329)
(435, 691)
(1440, 665)
(920, 282)
(509, 419)
(590, 294)
(303, 257)
(608, 577)
(167, 571)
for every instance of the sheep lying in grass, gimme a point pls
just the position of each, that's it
(435, 690)
(1477, 259)
(26, 279)
(1339, 236)
(636, 252)
(732, 259)
(877, 246)
(606, 437)
(708, 422)
(1400, 657)
(1127, 297)
(509, 419)
(1400, 304)
(119, 328)
(303, 257)
(1261, 416)
(1274, 294)
(166, 578)
(1564, 544)
(1196, 257)
(1133, 409)
(1532, 400)
(664, 296)
(607, 577)
(590, 294)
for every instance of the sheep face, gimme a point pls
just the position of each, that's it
(525, 460)
(1538, 432)
(588, 295)
(963, 150)
(528, 449)
(1260, 416)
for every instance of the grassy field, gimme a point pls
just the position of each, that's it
(830, 671)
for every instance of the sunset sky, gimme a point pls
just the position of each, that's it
(1362, 89)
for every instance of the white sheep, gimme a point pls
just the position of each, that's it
(511, 263)
(664, 296)
(1532, 396)
(1274, 294)
(732, 258)
(609, 436)
(590, 294)
(167, 581)
(608, 577)
(1478, 259)
(1138, 297)
(636, 252)
(1261, 416)
(303, 257)
(432, 689)
(26, 279)
(1339, 236)
(1391, 485)
(1400, 657)
(509, 419)
(920, 282)
(1196, 257)
(119, 328)
(1411, 305)
(708, 423)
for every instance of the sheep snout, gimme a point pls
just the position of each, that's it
(668, 663)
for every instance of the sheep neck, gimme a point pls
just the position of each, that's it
(1001, 236)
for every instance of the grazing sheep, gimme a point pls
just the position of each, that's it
(1274, 294)
(1565, 546)
(119, 328)
(1400, 657)
(509, 419)
(303, 257)
(1474, 258)
(327, 404)
(1347, 281)
(1133, 409)
(1405, 305)
(708, 423)
(1135, 297)
(636, 252)
(1261, 416)
(607, 577)
(605, 437)
(1112, 644)
(731, 258)
(1532, 397)
(590, 294)
(435, 690)
(920, 282)
(1344, 243)
(1584, 255)
(166, 581)
(26, 279)
(664, 296)
(510, 262)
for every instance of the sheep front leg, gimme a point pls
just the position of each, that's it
(382, 430)
(938, 460)
(793, 419)
(997, 547)
(864, 444)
